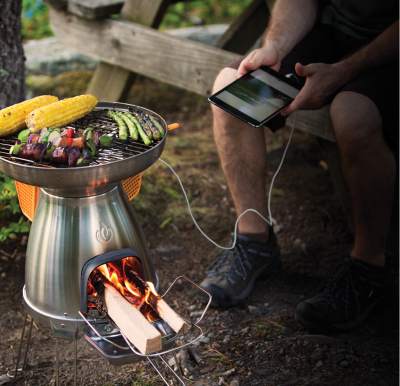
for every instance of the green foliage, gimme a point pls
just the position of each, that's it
(144, 380)
(9, 207)
(35, 20)
(11, 230)
(8, 196)
(190, 13)
(35, 15)
(165, 223)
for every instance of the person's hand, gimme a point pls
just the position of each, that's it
(265, 56)
(322, 81)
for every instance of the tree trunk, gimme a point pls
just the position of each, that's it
(12, 66)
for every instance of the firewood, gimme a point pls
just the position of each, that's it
(168, 314)
(195, 355)
(129, 320)
(160, 306)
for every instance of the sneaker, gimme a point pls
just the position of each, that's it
(350, 296)
(231, 277)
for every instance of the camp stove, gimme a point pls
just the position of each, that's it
(84, 219)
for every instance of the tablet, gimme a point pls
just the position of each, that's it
(257, 96)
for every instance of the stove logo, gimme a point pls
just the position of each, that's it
(104, 235)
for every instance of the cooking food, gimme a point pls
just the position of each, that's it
(105, 140)
(86, 158)
(141, 132)
(65, 155)
(60, 113)
(76, 145)
(159, 127)
(59, 146)
(123, 132)
(143, 125)
(12, 119)
(148, 123)
(131, 126)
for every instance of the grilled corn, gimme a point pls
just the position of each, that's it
(60, 113)
(12, 119)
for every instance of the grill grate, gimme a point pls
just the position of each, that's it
(99, 120)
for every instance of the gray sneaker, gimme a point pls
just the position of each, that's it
(231, 277)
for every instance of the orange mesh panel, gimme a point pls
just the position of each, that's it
(28, 196)
(132, 186)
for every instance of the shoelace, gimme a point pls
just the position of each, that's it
(335, 292)
(237, 266)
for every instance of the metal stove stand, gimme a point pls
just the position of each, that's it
(103, 335)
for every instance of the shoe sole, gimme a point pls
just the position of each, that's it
(264, 272)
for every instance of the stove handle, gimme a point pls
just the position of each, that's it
(173, 126)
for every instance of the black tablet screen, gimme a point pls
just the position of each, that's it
(257, 95)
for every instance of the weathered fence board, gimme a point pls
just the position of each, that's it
(146, 12)
(187, 64)
(317, 122)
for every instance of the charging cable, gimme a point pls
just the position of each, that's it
(248, 210)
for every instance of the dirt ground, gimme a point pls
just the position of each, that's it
(257, 342)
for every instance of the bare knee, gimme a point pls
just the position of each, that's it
(227, 75)
(357, 123)
(223, 119)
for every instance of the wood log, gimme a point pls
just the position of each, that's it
(168, 314)
(160, 306)
(130, 321)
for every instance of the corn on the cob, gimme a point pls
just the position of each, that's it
(12, 119)
(60, 113)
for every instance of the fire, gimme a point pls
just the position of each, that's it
(134, 290)
(122, 274)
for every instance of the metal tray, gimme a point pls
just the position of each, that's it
(89, 180)
(115, 349)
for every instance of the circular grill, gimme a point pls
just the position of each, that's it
(122, 160)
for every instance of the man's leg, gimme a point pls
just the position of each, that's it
(369, 168)
(243, 156)
(241, 149)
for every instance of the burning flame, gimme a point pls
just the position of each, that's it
(121, 274)
(104, 270)
(134, 290)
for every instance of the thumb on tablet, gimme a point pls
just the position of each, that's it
(250, 62)
(265, 56)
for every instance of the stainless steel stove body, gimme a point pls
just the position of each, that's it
(82, 212)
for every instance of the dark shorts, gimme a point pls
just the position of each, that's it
(381, 85)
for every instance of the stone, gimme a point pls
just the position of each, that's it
(319, 364)
(208, 34)
(205, 340)
(255, 311)
(48, 57)
(235, 382)
(260, 372)
(229, 372)
(316, 356)
(338, 358)
(344, 364)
